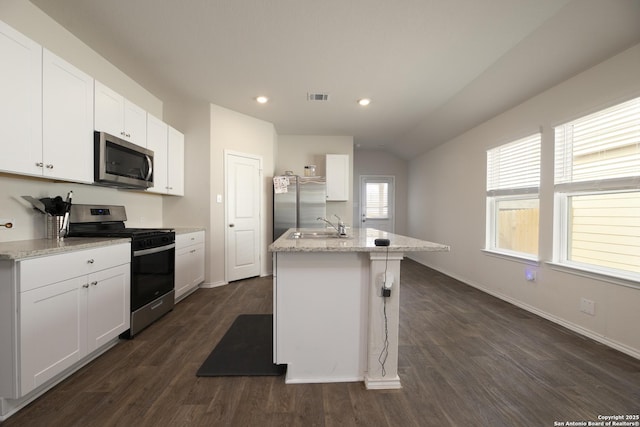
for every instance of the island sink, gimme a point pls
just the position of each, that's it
(316, 235)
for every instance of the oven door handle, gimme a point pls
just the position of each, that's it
(153, 250)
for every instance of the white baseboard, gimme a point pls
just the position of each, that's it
(551, 317)
(322, 380)
(382, 383)
(213, 285)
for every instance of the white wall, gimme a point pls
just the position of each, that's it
(374, 162)
(144, 210)
(194, 208)
(240, 133)
(447, 205)
(296, 151)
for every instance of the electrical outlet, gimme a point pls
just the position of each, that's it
(7, 223)
(587, 306)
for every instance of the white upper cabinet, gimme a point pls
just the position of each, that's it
(337, 177)
(167, 145)
(46, 112)
(118, 116)
(20, 103)
(175, 181)
(135, 123)
(157, 140)
(67, 121)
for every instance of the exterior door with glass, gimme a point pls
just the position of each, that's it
(377, 202)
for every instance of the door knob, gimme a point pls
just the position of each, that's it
(232, 225)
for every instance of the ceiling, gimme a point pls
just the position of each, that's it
(433, 68)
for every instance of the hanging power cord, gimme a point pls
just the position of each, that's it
(385, 347)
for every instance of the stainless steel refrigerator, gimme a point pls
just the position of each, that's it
(300, 205)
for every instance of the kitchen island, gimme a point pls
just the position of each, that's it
(331, 320)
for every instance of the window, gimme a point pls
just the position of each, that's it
(513, 181)
(597, 187)
(377, 200)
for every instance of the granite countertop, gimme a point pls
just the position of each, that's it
(357, 240)
(21, 249)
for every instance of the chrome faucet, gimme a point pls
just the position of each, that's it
(340, 228)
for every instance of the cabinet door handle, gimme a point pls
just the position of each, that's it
(90, 261)
(86, 285)
(39, 164)
(94, 283)
(49, 166)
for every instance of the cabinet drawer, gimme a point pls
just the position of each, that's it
(36, 272)
(188, 239)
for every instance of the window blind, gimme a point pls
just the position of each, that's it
(514, 168)
(377, 200)
(601, 146)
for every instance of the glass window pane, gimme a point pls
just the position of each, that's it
(603, 145)
(514, 165)
(377, 200)
(517, 225)
(604, 230)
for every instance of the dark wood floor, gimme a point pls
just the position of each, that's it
(466, 359)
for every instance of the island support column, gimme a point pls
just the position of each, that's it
(382, 359)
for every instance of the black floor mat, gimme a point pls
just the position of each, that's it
(245, 350)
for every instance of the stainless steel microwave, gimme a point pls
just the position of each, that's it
(119, 163)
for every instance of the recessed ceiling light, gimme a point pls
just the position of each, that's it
(262, 99)
(364, 102)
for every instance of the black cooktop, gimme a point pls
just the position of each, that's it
(108, 221)
(114, 230)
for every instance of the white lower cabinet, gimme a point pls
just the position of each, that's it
(52, 332)
(189, 262)
(108, 305)
(69, 305)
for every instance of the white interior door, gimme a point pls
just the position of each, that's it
(243, 235)
(377, 202)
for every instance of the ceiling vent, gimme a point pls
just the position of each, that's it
(317, 96)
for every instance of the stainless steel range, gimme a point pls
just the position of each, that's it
(152, 259)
